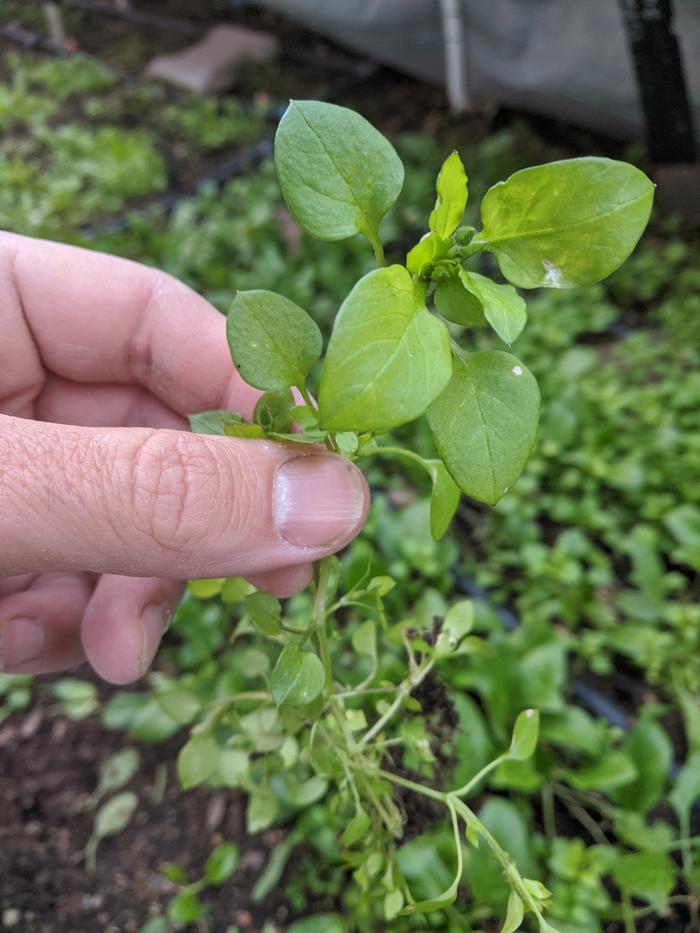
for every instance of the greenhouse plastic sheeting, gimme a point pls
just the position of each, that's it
(567, 59)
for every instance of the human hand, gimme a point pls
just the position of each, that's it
(107, 503)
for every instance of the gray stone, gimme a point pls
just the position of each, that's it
(211, 65)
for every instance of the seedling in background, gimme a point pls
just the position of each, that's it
(400, 348)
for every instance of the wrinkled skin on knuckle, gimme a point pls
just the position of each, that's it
(175, 488)
(185, 494)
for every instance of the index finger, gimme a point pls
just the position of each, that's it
(98, 318)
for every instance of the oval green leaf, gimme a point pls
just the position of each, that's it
(451, 200)
(427, 250)
(525, 734)
(274, 343)
(388, 357)
(115, 815)
(222, 863)
(503, 307)
(297, 677)
(566, 223)
(265, 612)
(338, 174)
(485, 423)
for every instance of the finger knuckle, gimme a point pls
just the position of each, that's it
(175, 487)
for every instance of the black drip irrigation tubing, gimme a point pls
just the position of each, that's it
(139, 17)
(32, 40)
(589, 697)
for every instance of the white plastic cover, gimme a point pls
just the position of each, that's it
(567, 59)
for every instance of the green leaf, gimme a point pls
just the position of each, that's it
(265, 612)
(262, 810)
(566, 223)
(525, 735)
(233, 766)
(647, 875)
(212, 422)
(78, 698)
(273, 411)
(206, 589)
(485, 423)
(155, 925)
(686, 790)
(179, 703)
(388, 357)
(514, 914)
(649, 747)
(319, 923)
(444, 498)
(347, 442)
(222, 863)
(429, 249)
(364, 638)
(274, 343)
(451, 200)
(185, 908)
(198, 759)
(243, 429)
(459, 619)
(357, 828)
(503, 307)
(174, 873)
(338, 174)
(297, 677)
(614, 770)
(455, 303)
(116, 771)
(115, 815)
(235, 590)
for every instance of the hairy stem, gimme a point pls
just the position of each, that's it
(406, 687)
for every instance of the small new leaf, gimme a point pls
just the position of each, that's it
(525, 734)
(429, 249)
(502, 306)
(273, 411)
(274, 343)
(451, 200)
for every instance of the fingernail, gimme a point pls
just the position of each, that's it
(155, 619)
(21, 642)
(319, 500)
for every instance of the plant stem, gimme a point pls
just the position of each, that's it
(487, 769)
(306, 395)
(406, 687)
(378, 251)
(628, 913)
(319, 622)
(410, 785)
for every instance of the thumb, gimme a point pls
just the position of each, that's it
(166, 503)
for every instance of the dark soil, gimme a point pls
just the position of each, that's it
(48, 767)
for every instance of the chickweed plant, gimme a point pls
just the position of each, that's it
(332, 718)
